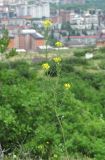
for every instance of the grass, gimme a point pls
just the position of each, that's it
(93, 65)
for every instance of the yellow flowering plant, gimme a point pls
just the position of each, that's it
(57, 68)
(45, 66)
(47, 23)
(58, 44)
(57, 60)
(67, 86)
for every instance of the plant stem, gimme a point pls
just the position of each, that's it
(56, 113)
(46, 51)
(46, 39)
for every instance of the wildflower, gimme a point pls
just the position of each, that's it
(47, 23)
(58, 44)
(57, 60)
(45, 66)
(67, 85)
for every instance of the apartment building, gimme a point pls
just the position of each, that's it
(27, 39)
(35, 10)
(73, 1)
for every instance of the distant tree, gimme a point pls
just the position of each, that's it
(67, 26)
(71, 32)
(4, 41)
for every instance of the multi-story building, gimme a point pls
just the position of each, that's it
(27, 39)
(5, 2)
(13, 8)
(73, 1)
(54, 1)
(39, 10)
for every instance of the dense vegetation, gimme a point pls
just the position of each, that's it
(28, 124)
(93, 4)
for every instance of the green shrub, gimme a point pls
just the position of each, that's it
(9, 77)
(29, 125)
(102, 49)
(78, 61)
(19, 64)
(11, 53)
(67, 68)
(102, 65)
(95, 80)
(99, 56)
(79, 53)
(3, 65)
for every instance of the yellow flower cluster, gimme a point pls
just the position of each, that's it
(45, 66)
(58, 44)
(57, 60)
(67, 85)
(47, 23)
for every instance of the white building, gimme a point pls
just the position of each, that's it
(2, 2)
(76, 19)
(35, 10)
(85, 21)
(91, 19)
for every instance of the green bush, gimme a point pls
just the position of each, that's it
(3, 66)
(67, 68)
(102, 65)
(102, 50)
(9, 77)
(29, 125)
(68, 65)
(78, 61)
(11, 53)
(82, 52)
